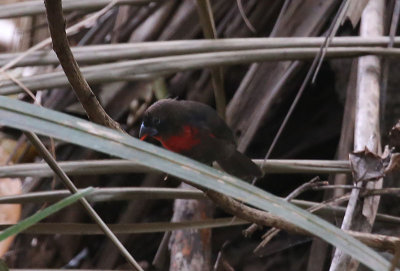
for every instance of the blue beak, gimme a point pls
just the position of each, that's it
(146, 131)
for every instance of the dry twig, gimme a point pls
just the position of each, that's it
(244, 212)
(208, 25)
(82, 89)
(360, 214)
(72, 188)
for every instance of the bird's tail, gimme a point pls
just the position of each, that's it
(240, 166)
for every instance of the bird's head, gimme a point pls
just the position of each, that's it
(161, 119)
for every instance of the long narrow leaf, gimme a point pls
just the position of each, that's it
(28, 222)
(131, 228)
(154, 193)
(92, 54)
(113, 166)
(25, 116)
(154, 67)
(29, 8)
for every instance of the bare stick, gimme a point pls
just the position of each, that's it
(244, 16)
(360, 214)
(332, 32)
(72, 188)
(92, 54)
(266, 219)
(31, 8)
(208, 25)
(88, 100)
(161, 66)
(314, 182)
(274, 231)
(128, 228)
(112, 166)
(61, 47)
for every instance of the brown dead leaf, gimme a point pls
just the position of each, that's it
(366, 165)
(9, 213)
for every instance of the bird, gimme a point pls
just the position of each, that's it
(195, 130)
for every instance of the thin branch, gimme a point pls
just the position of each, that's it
(72, 188)
(244, 16)
(381, 242)
(360, 214)
(161, 256)
(337, 21)
(366, 192)
(263, 218)
(271, 233)
(107, 194)
(130, 193)
(61, 47)
(328, 208)
(29, 8)
(94, 54)
(114, 166)
(278, 21)
(207, 23)
(314, 182)
(90, 103)
(162, 66)
(21, 85)
(129, 228)
(336, 186)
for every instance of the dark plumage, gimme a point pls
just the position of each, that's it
(195, 130)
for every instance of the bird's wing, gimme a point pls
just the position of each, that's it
(206, 119)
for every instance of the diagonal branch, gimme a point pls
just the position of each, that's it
(90, 103)
(61, 47)
(266, 219)
(72, 188)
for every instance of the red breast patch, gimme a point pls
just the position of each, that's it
(185, 141)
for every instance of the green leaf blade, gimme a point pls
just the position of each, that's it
(26, 223)
(25, 116)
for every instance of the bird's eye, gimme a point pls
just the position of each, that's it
(156, 121)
